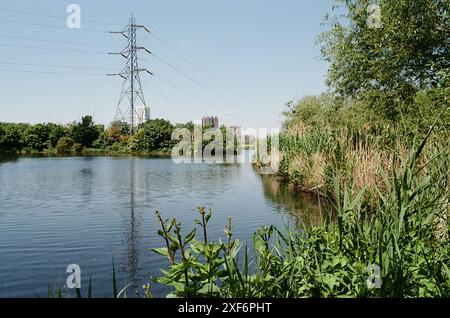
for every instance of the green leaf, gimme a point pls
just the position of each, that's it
(161, 251)
(190, 236)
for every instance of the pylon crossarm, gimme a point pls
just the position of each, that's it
(142, 27)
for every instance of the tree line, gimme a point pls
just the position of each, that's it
(86, 135)
(153, 137)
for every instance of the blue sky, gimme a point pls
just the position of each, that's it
(247, 58)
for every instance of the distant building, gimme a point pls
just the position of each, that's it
(141, 115)
(237, 131)
(210, 122)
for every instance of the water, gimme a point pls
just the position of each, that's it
(85, 210)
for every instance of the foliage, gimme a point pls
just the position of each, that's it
(387, 66)
(36, 137)
(64, 145)
(157, 135)
(87, 137)
(84, 132)
(116, 132)
(202, 264)
(324, 134)
(11, 136)
(56, 132)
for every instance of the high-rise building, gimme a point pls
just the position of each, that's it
(237, 131)
(142, 115)
(210, 121)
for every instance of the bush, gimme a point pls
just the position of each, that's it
(77, 148)
(64, 145)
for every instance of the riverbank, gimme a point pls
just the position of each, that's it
(321, 140)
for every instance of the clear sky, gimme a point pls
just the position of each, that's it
(244, 58)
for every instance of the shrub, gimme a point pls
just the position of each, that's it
(77, 148)
(64, 145)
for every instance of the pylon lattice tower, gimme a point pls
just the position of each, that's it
(131, 87)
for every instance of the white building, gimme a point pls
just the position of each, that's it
(141, 115)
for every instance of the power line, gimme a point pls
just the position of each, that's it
(56, 66)
(198, 68)
(174, 100)
(103, 8)
(201, 85)
(50, 72)
(51, 26)
(50, 49)
(52, 41)
(192, 80)
(209, 76)
(196, 81)
(176, 69)
(55, 17)
(187, 92)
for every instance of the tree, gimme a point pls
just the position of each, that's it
(386, 64)
(84, 132)
(116, 132)
(64, 145)
(10, 137)
(36, 137)
(136, 142)
(55, 133)
(157, 134)
(189, 126)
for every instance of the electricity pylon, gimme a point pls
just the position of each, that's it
(131, 87)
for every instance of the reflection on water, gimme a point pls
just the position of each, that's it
(132, 227)
(8, 159)
(306, 208)
(60, 211)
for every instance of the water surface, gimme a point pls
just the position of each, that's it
(85, 210)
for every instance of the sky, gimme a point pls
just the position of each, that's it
(240, 60)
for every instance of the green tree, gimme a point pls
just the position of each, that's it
(36, 137)
(64, 145)
(55, 133)
(386, 64)
(84, 132)
(136, 142)
(189, 126)
(157, 134)
(10, 137)
(116, 132)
